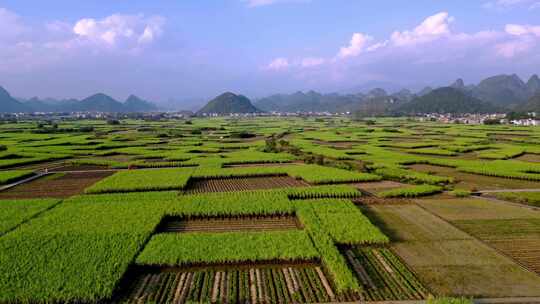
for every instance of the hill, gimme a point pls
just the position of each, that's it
(136, 104)
(502, 90)
(446, 100)
(533, 85)
(95, 103)
(378, 106)
(98, 103)
(532, 105)
(229, 103)
(9, 104)
(309, 102)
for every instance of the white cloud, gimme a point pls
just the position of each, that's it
(278, 64)
(257, 3)
(513, 48)
(117, 29)
(358, 44)
(312, 62)
(431, 28)
(520, 30)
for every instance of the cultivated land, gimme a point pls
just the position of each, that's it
(266, 210)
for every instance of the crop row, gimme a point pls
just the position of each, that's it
(383, 276)
(254, 285)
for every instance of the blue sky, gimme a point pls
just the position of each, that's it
(184, 49)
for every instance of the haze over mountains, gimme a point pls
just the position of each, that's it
(494, 94)
(95, 103)
(501, 93)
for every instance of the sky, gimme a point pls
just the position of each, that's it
(187, 49)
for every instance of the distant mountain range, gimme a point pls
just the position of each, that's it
(447, 100)
(228, 103)
(498, 93)
(95, 103)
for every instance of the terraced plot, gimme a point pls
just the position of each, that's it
(251, 223)
(243, 184)
(58, 185)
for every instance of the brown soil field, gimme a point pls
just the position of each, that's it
(528, 157)
(57, 185)
(79, 168)
(252, 223)
(477, 182)
(243, 184)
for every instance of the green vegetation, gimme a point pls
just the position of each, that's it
(413, 191)
(207, 248)
(143, 180)
(15, 212)
(80, 249)
(7, 177)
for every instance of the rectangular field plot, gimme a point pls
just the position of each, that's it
(383, 276)
(248, 223)
(467, 268)
(475, 209)
(243, 184)
(448, 260)
(471, 181)
(240, 284)
(412, 223)
(519, 239)
(58, 185)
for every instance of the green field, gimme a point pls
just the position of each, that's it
(326, 209)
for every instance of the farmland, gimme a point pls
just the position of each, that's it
(305, 210)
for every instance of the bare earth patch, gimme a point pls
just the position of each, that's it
(58, 185)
